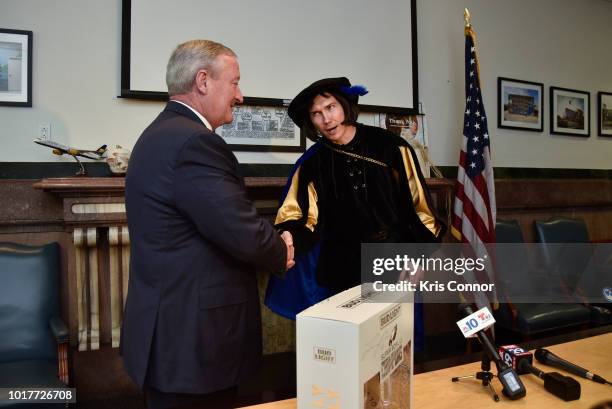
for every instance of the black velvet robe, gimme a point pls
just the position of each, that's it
(345, 201)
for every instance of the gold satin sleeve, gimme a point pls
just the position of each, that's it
(291, 210)
(418, 193)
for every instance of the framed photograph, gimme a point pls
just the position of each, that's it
(569, 112)
(412, 128)
(262, 129)
(15, 68)
(604, 113)
(520, 104)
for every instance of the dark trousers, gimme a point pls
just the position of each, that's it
(224, 399)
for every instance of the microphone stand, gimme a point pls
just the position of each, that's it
(486, 376)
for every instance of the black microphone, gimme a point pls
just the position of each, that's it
(564, 387)
(546, 357)
(513, 387)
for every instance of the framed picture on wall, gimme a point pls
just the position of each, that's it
(412, 129)
(604, 113)
(520, 104)
(15, 68)
(262, 129)
(569, 112)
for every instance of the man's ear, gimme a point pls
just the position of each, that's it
(201, 81)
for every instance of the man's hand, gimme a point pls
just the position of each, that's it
(288, 239)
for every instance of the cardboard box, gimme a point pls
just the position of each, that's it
(354, 352)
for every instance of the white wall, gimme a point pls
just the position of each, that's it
(76, 80)
(564, 43)
(558, 42)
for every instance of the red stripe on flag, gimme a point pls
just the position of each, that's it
(470, 212)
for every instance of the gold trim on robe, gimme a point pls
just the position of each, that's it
(418, 194)
(290, 209)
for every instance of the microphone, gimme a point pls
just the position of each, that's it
(484, 340)
(513, 387)
(513, 355)
(546, 357)
(564, 387)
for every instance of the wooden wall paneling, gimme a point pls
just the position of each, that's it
(527, 200)
(63, 209)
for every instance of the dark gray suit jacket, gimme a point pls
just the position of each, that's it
(192, 320)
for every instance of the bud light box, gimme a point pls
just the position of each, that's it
(354, 352)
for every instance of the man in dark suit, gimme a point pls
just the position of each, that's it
(192, 328)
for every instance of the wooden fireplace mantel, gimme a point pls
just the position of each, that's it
(97, 186)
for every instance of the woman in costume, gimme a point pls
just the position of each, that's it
(356, 184)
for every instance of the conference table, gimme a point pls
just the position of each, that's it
(434, 390)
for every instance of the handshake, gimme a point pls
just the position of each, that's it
(288, 239)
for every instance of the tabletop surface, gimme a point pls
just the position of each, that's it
(434, 390)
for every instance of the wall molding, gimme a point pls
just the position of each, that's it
(40, 170)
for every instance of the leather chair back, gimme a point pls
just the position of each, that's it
(561, 252)
(512, 267)
(508, 231)
(561, 230)
(29, 278)
(522, 280)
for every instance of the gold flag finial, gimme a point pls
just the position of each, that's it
(466, 18)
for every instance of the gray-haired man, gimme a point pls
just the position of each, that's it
(192, 329)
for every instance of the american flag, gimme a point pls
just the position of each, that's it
(474, 211)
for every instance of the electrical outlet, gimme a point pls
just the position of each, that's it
(44, 131)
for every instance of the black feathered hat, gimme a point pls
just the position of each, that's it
(303, 100)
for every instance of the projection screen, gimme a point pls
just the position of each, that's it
(282, 45)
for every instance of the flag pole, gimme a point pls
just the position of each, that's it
(469, 31)
(467, 19)
(474, 209)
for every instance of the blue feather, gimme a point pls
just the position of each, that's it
(355, 90)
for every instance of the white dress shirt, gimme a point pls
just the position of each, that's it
(204, 121)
